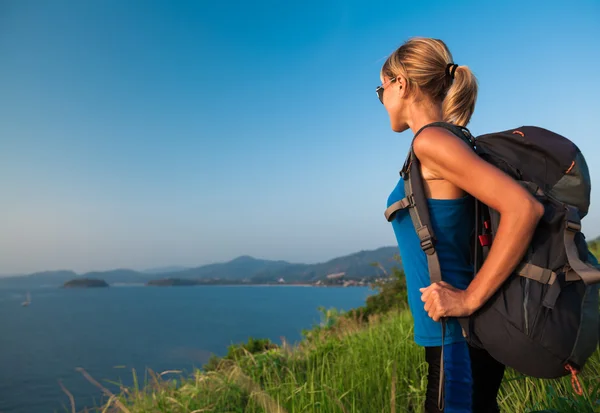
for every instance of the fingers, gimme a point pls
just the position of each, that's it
(434, 309)
(436, 298)
(428, 305)
(433, 291)
(434, 314)
(427, 291)
(432, 298)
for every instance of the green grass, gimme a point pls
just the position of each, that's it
(350, 367)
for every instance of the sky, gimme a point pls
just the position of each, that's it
(139, 134)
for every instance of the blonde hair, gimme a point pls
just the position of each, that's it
(423, 62)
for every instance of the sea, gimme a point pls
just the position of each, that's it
(113, 334)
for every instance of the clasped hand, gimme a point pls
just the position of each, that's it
(443, 300)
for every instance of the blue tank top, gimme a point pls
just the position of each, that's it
(453, 223)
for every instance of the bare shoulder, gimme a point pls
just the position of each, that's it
(436, 143)
(450, 158)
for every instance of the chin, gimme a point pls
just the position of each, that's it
(399, 127)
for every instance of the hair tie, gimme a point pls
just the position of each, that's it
(450, 72)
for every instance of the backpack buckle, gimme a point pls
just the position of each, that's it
(469, 136)
(573, 226)
(485, 240)
(427, 245)
(426, 238)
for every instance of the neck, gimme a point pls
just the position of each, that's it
(423, 113)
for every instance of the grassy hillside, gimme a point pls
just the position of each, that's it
(349, 363)
(352, 367)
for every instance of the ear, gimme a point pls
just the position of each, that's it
(401, 86)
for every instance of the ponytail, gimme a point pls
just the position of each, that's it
(459, 103)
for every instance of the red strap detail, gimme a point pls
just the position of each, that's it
(485, 240)
(574, 379)
(486, 225)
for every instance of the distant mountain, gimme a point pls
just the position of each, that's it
(58, 278)
(165, 270)
(244, 268)
(354, 266)
(38, 279)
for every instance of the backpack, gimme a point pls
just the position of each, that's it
(544, 320)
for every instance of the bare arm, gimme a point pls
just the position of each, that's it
(449, 158)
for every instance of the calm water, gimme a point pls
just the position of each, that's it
(110, 331)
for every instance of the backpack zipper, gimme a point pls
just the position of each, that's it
(525, 301)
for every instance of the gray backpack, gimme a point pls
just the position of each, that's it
(544, 320)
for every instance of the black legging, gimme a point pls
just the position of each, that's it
(487, 374)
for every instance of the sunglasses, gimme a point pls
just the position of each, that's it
(381, 88)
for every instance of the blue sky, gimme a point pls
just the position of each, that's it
(147, 133)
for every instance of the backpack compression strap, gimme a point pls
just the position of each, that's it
(588, 273)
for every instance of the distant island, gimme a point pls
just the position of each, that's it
(85, 283)
(171, 282)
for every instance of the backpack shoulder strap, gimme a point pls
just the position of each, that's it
(419, 214)
(416, 201)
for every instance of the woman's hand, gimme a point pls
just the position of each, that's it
(443, 300)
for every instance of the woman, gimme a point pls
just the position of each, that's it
(421, 85)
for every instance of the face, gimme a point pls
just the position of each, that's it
(392, 96)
